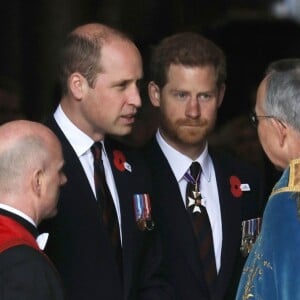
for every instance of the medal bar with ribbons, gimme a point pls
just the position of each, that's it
(142, 210)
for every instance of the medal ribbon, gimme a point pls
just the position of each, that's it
(189, 178)
(251, 227)
(142, 206)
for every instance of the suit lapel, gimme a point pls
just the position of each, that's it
(126, 188)
(230, 208)
(175, 218)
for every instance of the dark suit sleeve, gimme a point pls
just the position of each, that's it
(26, 274)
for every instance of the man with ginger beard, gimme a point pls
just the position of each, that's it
(188, 74)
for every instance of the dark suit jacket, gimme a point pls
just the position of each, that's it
(181, 257)
(79, 244)
(25, 272)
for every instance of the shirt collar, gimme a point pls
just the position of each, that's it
(180, 163)
(80, 141)
(18, 213)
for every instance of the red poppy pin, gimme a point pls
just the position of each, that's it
(120, 161)
(237, 188)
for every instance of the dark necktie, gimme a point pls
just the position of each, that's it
(106, 204)
(201, 224)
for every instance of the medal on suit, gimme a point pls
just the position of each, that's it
(142, 210)
(250, 231)
(197, 200)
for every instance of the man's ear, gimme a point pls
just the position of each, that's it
(221, 94)
(154, 93)
(37, 181)
(281, 130)
(77, 85)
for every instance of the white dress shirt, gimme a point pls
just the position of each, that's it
(180, 164)
(82, 144)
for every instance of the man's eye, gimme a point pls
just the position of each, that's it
(181, 95)
(123, 85)
(204, 97)
(140, 85)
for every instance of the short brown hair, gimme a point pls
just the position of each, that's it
(189, 49)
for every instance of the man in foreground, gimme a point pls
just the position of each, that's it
(31, 175)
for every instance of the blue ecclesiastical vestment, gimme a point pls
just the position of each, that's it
(272, 269)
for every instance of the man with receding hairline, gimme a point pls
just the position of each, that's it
(272, 268)
(100, 72)
(31, 175)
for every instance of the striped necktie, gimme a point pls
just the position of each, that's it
(201, 224)
(106, 203)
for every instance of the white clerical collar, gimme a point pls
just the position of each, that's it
(42, 238)
(180, 163)
(18, 213)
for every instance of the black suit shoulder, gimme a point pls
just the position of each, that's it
(227, 159)
(26, 273)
